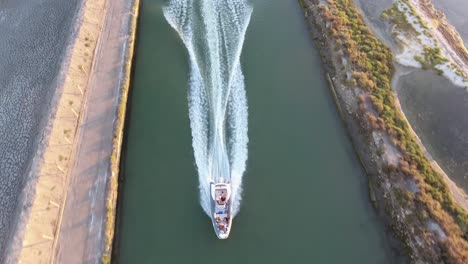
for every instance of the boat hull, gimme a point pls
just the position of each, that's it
(221, 211)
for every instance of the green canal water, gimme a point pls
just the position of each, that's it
(305, 194)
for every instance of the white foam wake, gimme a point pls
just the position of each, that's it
(213, 32)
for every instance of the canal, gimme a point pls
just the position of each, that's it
(305, 193)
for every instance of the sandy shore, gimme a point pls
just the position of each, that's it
(458, 194)
(450, 41)
(68, 218)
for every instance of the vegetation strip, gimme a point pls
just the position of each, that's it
(371, 63)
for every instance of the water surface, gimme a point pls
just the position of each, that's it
(305, 194)
(437, 111)
(213, 32)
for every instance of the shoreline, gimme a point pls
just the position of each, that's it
(114, 240)
(403, 197)
(458, 193)
(118, 142)
(92, 88)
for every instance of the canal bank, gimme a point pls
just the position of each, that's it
(404, 192)
(296, 141)
(438, 119)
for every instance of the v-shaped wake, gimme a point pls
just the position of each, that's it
(213, 32)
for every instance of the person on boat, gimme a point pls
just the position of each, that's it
(221, 200)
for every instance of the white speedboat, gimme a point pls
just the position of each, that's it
(221, 209)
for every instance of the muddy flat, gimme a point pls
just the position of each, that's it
(34, 37)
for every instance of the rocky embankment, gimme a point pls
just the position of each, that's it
(408, 191)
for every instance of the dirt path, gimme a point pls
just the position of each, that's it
(81, 237)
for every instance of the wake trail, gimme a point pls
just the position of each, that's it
(213, 32)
